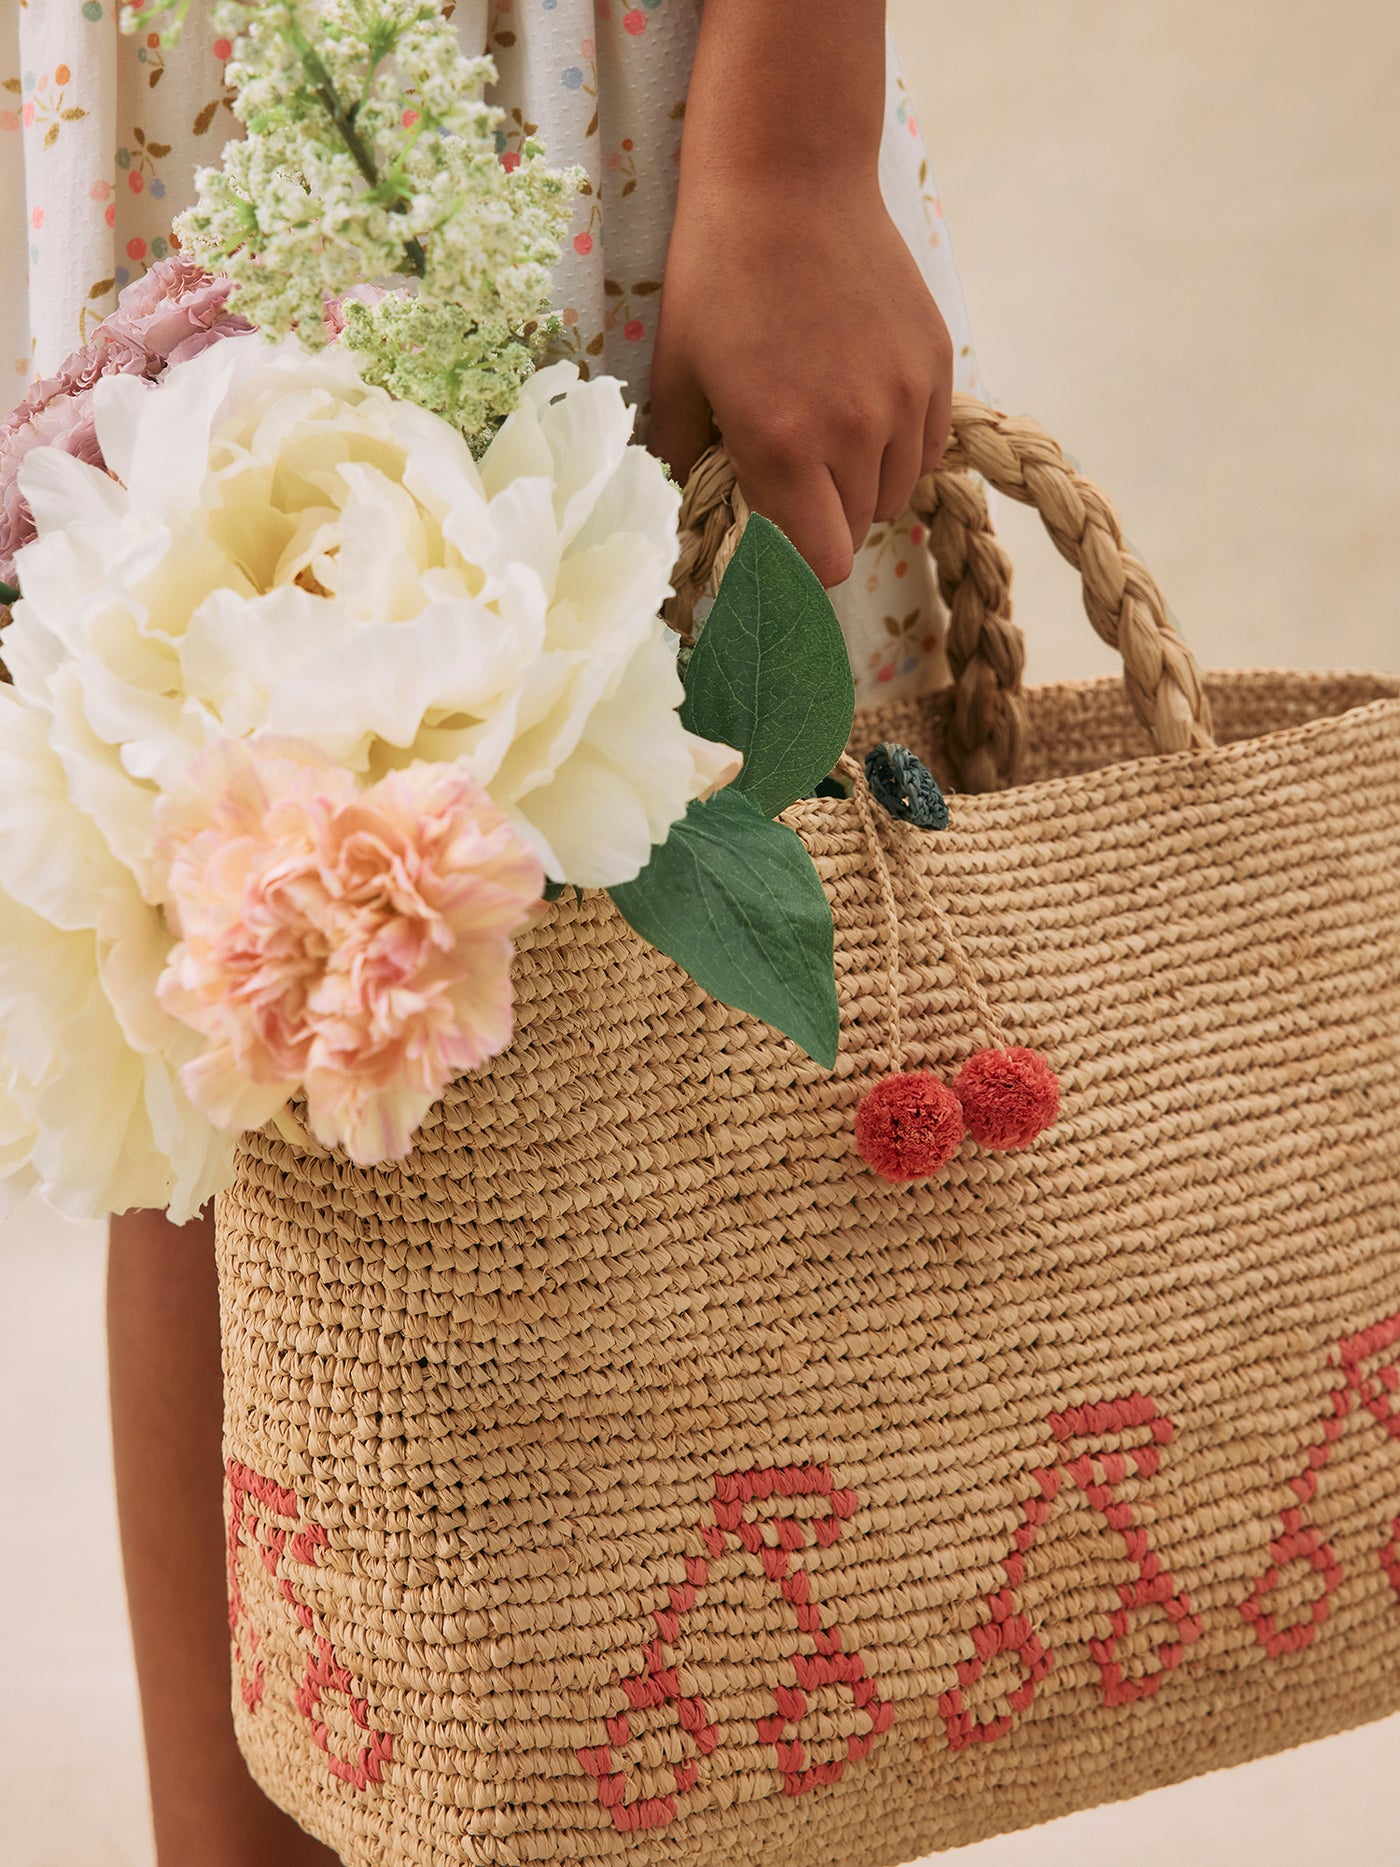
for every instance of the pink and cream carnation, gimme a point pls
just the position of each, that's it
(351, 940)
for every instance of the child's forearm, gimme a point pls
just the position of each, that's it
(793, 314)
(788, 87)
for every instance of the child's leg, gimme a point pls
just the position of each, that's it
(167, 1411)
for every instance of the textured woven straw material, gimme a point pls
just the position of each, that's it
(630, 1475)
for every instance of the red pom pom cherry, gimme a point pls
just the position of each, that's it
(907, 1127)
(1009, 1097)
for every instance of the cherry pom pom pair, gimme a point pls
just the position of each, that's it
(909, 1126)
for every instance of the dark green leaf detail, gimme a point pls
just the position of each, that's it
(8, 595)
(771, 674)
(734, 899)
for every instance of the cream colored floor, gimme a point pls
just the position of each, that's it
(1179, 222)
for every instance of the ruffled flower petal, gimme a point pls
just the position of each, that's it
(471, 660)
(53, 860)
(293, 550)
(93, 1124)
(356, 941)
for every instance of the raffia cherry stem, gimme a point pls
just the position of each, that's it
(991, 1028)
(909, 1124)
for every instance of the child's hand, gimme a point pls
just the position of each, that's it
(806, 326)
(792, 307)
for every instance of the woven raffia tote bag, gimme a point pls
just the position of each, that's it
(631, 1475)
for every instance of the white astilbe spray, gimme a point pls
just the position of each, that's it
(371, 156)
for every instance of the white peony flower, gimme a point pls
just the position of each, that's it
(289, 548)
(91, 1111)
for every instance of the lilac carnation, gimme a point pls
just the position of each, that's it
(176, 310)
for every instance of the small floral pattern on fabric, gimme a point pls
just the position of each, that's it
(100, 137)
(109, 133)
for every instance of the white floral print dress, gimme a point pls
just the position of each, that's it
(100, 137)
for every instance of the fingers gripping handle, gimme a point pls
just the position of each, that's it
(985, 647)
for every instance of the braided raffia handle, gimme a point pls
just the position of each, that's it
(985, 648)
(713, 516)
(1121, 596)
(985, 737)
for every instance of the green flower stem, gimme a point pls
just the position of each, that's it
(350, 136)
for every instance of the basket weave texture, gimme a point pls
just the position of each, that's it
(630, 1475)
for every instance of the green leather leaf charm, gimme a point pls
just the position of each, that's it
(735, 900)
(771, 674)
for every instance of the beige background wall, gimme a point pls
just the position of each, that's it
(1180, 226)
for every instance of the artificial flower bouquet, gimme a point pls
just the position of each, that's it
(335, 654)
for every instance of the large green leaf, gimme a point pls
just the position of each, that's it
(735, 900)
(771, 674)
